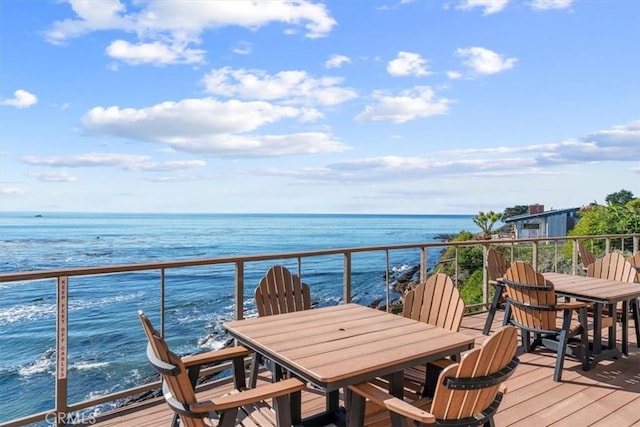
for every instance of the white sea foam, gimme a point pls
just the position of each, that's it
(20, 312)
(85, 366)
(400, 268)
(44, 364)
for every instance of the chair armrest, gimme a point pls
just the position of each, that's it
(252, 395)
(215, 356)
(503, 388)
(392, 403)
(572, 305)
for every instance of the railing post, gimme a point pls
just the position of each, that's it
(574, 257)
(162, 283)
(534, 256)
(636, 243)
(386, 279)
(239, 295)
(456, 270)
(346, 278)
(607, 245)
(423, 264)
(485, 274)
(62, 350)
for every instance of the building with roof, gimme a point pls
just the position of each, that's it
(541, 223)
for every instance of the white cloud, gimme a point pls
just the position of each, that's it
(551, 4)
(485, 61)
(256, 146)
(489, 6)
(210, 127)
(60, 176)
(242, 48)
(287, 86)
(408, 63)
(172, 121)
(127, 162)
(409, 105)
(336, 61)
(155, 53)
(454, 75)
(12, 191)
(166, 29)
(618, 144)
(21, 99)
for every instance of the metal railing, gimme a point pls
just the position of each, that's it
(62, 276)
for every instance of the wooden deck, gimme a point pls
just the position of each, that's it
(608, 395)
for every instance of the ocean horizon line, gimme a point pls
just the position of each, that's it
(299, 214)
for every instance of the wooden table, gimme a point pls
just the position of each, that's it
(602, 292)
(333, 347)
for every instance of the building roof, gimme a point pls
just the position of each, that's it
(541, 214)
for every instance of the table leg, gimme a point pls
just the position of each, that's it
(612, 328)
(624, 317)
(396, 388)
(333, 401)
(296, 408)
(636, 319)
(597, 329)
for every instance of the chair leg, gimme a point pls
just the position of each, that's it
(526, 340)
(239, 374)
(228, 418)
(432, 373)
(562, 345)
(507, 314)
(283, 410)
(253, 370)
(493, 308)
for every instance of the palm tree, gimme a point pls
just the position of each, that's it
(486, 221)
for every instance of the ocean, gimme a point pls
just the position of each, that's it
(106, 342)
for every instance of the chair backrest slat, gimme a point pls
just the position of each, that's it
(436, 302)
(279, 291)
(494, 355)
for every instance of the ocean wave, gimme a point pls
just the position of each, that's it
(85, 366)
(44, 364)
(22, 312)
(31, 312)
(400, 268)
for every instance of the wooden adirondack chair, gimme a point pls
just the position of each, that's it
(614, 266)
(468, 393)
(497, 265)
(179, 390)
(635, 262)
(436, 302)
(532, 307)
(586, 256)
(278, 292)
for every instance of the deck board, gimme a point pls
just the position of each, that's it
(607, 395)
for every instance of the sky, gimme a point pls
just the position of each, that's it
(346, 106)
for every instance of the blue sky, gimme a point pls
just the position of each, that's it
(416, 107)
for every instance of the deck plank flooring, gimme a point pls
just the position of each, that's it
(608, 395)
